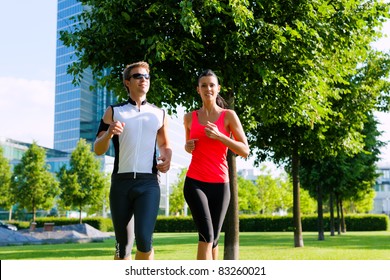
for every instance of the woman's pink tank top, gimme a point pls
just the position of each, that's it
(208, 163)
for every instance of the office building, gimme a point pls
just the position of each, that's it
(382, 190)
(78, 109)
(14, 150)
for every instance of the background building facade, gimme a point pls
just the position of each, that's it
(78, 109)
(382, 191)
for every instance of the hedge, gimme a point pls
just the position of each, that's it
(366, 222)
(100, 223)
(248, 223)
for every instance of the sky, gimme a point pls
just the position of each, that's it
(27, 73)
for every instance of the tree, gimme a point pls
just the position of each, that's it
(83, 183)
(279, 63)
(362, 204)
(273, 193)
(102, 204)
(361, 171)
(176, 198)
(248, 201)
(32, 185)
(344, 177)
(6, 200)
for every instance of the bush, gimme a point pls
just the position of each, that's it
(248, 223)
(175, 224)
(100, 223)
(265, 223)
(19, 224)
(367, 222)
(370, 222)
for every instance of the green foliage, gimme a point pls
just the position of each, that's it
(351, 177)
(248, 199)
(5, 182)
(267, 223)
(175, 224)
(271, 194)
(248, 223)
(176, 198)
(362, 223)
(270, 51)
(308, 203)
(362, 204)
(310, 223)
(83, 183)
(100, 223)
(19, 224)
(103, 200)
(33, 186)
(292, 70)
(274, 193)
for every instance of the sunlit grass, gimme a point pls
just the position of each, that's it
(253, 246)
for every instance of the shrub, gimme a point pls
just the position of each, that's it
(248, 223)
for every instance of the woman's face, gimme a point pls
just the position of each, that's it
(208, 88)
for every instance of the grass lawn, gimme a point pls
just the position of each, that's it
(253, 246)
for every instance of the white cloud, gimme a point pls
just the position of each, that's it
(27, 110)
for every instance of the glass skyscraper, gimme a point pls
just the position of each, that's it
(77, 109)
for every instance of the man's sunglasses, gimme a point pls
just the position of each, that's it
(139, 76)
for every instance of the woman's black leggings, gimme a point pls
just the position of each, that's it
(140, 197)
(208, 203)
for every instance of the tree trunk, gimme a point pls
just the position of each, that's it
(10, 214)
(320, 210)
(338, 215)
(298, 239)
(331, 211)
(343, 226)
(80, 218)
(231, 244)
(34, 213)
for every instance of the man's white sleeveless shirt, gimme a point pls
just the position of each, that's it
(136, 151)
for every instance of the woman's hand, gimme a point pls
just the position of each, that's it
(212, 131)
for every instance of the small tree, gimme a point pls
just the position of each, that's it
(273, 192)
(5, 184)
(83, 183)
(247, 196)
(102, 204)
(32, 185)
(176, 198)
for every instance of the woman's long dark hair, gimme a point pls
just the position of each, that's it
(220, 101)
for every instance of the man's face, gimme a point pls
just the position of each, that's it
(139, 82)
